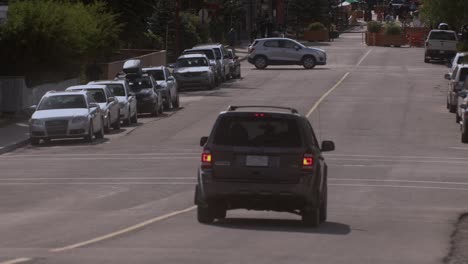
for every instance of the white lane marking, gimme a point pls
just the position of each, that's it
(363, 58)
(458, 148)
(97, 178)
(402, 161)
(409, 157)
(14, 261)
(402, 181)
(398, 186)
(326, 94)
(123, 231)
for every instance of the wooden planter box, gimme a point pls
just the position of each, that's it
(380, 39)
(316, 36)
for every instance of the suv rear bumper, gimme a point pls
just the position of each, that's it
(441, 54)
(254, 195)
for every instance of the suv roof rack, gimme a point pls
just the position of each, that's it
(235, 107)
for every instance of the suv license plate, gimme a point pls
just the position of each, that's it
(256, 161)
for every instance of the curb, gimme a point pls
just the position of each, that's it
(14, 146)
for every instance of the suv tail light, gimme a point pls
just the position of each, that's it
(427, 43)
(206, 160)
(308, 161)
(251, 49)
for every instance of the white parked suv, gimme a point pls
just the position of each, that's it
(440, 44)
(284, 51)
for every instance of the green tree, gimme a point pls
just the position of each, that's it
(303, 12)
(453, 12)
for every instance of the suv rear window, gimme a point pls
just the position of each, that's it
(463, 74)
(251, 131)
(440, 35)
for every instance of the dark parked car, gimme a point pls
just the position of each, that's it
(262, 160)
(149, 100)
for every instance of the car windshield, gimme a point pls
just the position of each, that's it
(218, 53)
(209, 53)
(441, 35)
(117, 89)
(98, 95)
(139, 84)
(258, 132)
(62, 102)
(158, 75)
(191, 62)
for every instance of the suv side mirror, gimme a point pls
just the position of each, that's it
(327, 146)
(203, 141)
(93, 105)
(172, 65)
(447, 76)
(111, 99)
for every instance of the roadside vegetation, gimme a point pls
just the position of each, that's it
(453, 12)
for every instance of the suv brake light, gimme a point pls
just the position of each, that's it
(308, 161)
(251, 49)
(206, 159)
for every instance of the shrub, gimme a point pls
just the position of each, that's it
(374, 26)
(462, 47)
(393, 29)
(317, 26)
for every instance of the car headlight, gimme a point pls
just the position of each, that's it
(37, 122)
(79, 119)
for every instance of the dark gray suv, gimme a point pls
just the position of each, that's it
(262, 160)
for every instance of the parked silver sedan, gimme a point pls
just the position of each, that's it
(166, 84)
(66, 115)
(108, 104)
(194, 70)
(126, 98)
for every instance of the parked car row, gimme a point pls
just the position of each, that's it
(90, 110)
(457, 99)
(206, 65)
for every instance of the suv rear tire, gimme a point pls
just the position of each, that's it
(205, 215)
(308, 62)
(311, 216)
(260, 62)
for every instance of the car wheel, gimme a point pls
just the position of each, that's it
(135, 118)
(35, 141)
(107, 127)
(176, 102)
(100, 134)
(128, 120)
(168, 103)
(453, 109)
(89, 137)
(155, 111)
(426, 60)
(205, 215)
(260, 63)
(308, 62)
(464, 135)
(311, 216)
(116, 125)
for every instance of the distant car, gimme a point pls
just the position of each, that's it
(284, 51)
(440, 44)
(456, 82)
(107, 102)
(167, 85)
(194, 70)
(127, 99)
(211, 55)
(262, 159)
(234, 64)
(221, 56)
(66, 114)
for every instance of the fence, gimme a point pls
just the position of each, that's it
(15, 96)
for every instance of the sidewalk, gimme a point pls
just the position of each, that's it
(13, 135)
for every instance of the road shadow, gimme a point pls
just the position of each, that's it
(70, 142)
(290, 69)
(282, 225)
(316, 44)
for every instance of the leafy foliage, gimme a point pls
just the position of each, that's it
(453, 12)
(51, 34)
(317, 26)
(302, 12)
(392, 29)
(374, 26)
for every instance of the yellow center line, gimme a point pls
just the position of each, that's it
(122, 231)
(14, 261)
(326, 94)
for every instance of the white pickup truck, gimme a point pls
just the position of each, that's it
(440, 44)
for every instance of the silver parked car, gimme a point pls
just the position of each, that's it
(127, 99)
(284, 51)
(194, 70)
(211, 55)
(234, 64)
(221, 56)
(108, 104)
(167, 84)
(66, 115)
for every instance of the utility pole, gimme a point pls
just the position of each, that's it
(178, 7)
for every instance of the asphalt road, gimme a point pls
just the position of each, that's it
(397, 181)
